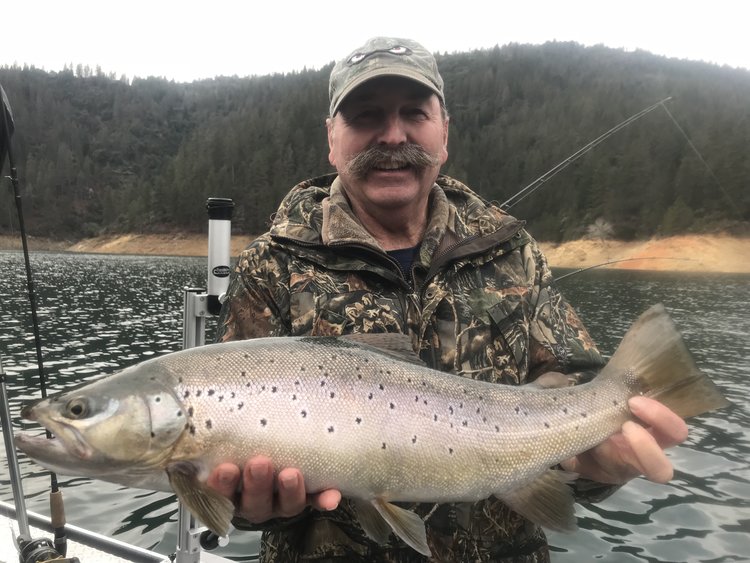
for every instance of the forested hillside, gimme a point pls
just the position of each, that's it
(99, 154)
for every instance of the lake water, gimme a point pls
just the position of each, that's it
(99, 314)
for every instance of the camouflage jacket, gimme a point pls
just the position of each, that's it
(479, 304)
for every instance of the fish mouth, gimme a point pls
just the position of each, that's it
(66, 441)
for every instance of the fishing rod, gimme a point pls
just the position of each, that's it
(539, 182)
(57, 511)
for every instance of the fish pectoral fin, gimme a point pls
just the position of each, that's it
(214, 510)
(372, 523)
(547, 501)
(405, 524)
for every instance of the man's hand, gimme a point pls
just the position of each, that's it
(636, 450)
(260, 498)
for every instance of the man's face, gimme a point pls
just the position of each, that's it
(404, 120)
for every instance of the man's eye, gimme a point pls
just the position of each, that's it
(416, 113)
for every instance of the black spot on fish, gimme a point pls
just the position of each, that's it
(263, 422)
(392, 406)
(179, 379)
(369, 396)
(546, 424)
(518, 409)
(381, 386)
(262, 387)
(179, 413)
(332, 395)
(302, 368)
(554, 399)
(274, 389)
(153, 435)
(414, 440)
(192, 429)
(209, 424)
(425, 401)
(247, 356)
(190, 411)
(320, 367)
(294, 397)
(296, 382)
(323, 383)
(330, 429)
(478, 410)
(248, 384)
(157, 399)
(243, 374)
(388, 372)
(408, 379)
(497, 428)
(565, 410)
(526, 413)
(416, 398)
(383, 446)
(240, 405)
(460, 405)
(465, 423)
(198, 393)
(221, 398)
(211, 392)
(304, 414)
(481, 398)
(584, 415)
(484, 419)
(614, 402)
(450, 451)
(359, 420)
(186, 394)
(232, 394)
(434, 417)
(424, 384)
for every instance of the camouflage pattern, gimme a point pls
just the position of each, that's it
(481, 304)
(384, 56)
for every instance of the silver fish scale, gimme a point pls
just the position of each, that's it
(370, 425)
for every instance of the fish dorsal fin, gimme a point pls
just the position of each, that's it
(214, 510)
(550, 380)
(547, 501)
(394, 344)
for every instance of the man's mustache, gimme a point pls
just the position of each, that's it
(408, 154)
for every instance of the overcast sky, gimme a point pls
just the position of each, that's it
(187, 40)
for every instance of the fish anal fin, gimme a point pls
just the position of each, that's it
(405, 524)
(547, 501)
(214, 510)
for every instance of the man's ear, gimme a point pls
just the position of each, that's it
(329, 127)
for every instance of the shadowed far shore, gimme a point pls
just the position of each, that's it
(686, 253)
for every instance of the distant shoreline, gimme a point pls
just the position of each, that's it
(685, 253)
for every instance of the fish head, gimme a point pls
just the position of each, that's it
(115, 424)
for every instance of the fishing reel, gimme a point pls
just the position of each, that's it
(40, 550)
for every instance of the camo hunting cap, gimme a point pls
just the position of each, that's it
(384, 56)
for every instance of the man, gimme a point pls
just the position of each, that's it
(389, 245)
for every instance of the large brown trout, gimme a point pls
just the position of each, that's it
(371, 423)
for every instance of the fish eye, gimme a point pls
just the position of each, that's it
(77, 408)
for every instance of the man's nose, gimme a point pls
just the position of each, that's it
(393, 131)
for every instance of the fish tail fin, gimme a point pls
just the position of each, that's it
(654, 352)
